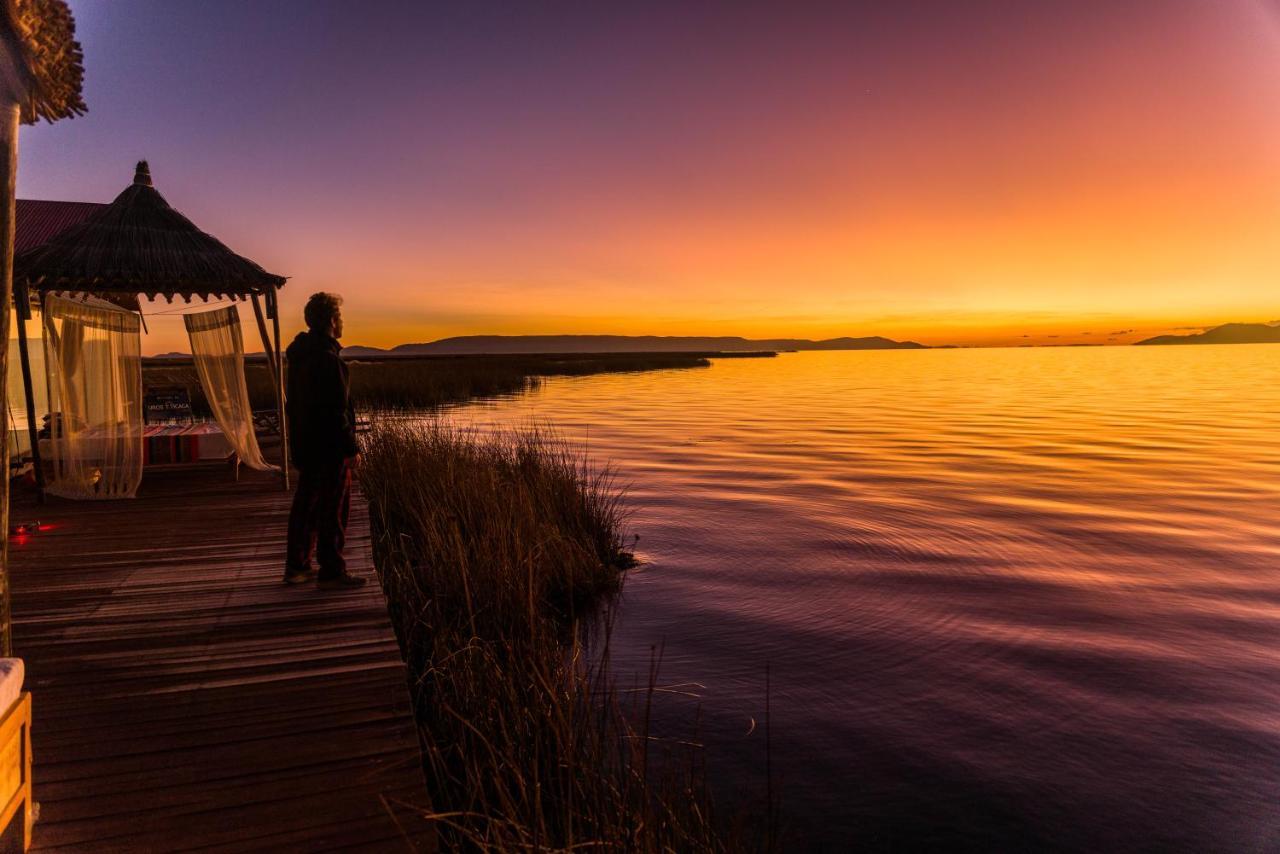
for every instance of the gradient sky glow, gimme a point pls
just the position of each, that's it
(966, 173)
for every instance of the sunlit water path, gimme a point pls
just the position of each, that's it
(1008, 598)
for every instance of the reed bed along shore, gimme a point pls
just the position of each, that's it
(424, 382)
(495, 556)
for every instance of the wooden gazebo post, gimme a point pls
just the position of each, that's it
(40, 78)
(22, 304)
(275, 363)
(273, 308)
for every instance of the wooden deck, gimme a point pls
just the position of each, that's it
(185, 698)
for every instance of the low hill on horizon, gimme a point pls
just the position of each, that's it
(497, 344)
(1227, 333)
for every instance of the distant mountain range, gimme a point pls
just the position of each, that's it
(474, 344)
(1227, 333)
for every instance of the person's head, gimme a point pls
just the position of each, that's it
(324, 314)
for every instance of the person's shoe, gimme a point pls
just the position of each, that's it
(345, 581)
(299, 576)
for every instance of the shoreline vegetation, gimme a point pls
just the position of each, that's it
(415, 383)
(499, 557)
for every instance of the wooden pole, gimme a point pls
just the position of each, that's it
(273, 308)
(266, 339)
(8, 176)
(23, 303)
(273, 365)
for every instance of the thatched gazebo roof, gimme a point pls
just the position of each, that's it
(41, 35)
(140, 245)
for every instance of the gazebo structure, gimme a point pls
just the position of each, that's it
(140, 246)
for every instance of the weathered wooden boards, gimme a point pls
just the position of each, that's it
(185, 698)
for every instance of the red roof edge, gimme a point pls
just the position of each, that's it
(38, 221)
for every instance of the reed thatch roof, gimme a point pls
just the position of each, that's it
(41, 36)
(140, 245)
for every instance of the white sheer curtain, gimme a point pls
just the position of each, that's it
(93, 360)
(218, 349)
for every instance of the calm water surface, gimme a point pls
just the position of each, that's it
(1008, 599)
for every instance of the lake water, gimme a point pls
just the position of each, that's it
(1009, 599)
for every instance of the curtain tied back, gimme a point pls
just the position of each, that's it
(217, 347)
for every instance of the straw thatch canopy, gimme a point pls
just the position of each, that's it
(40, 35)
(140, 245)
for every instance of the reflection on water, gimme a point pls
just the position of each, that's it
(1009, 598)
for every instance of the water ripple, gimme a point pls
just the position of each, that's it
(1011, 599)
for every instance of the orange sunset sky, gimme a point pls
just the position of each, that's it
(980, 173)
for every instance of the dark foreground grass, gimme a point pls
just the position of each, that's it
(425, 382)
(494, 555)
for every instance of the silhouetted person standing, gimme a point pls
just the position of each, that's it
(322, 440)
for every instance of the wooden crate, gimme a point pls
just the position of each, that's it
(15, 769)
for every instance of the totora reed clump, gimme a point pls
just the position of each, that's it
(494, 554)
(416, 383)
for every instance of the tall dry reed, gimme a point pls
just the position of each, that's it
(493, 555)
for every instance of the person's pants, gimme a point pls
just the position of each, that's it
(318, 518)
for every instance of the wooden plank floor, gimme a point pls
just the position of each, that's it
(184, 698)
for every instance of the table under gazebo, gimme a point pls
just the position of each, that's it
(87, 282)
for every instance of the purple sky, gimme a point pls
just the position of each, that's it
(934, 170)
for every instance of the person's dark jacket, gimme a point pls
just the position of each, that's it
(322, 421)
